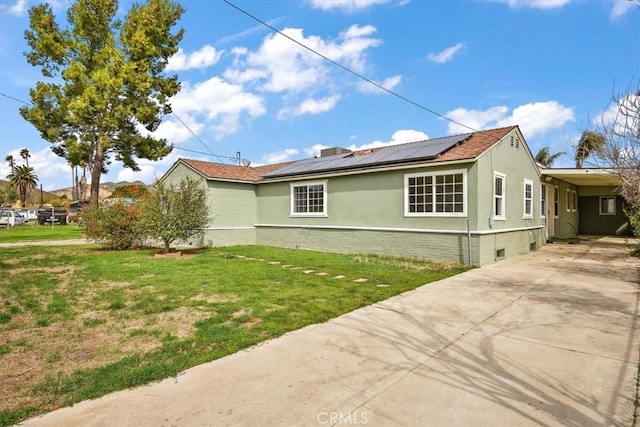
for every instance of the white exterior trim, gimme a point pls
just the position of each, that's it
(228, 228)
(400, 230)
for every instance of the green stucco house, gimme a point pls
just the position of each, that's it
(472, 198)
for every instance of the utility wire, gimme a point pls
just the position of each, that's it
(348, 70)
(210, 153)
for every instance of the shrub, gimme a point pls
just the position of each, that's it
(115, 226)
(634, 220)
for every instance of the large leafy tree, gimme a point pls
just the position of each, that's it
(23, 178)
(176, 212)
(106, 88)
(545, 158)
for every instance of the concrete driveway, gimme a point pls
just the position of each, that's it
(549, 338)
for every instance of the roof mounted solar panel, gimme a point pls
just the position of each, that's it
(427, 149)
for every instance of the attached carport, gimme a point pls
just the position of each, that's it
(597, 210)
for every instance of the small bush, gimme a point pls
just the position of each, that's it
(634, 220)
(114, 226)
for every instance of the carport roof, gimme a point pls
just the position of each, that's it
(584, 177)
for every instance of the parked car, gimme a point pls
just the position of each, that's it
(10, 217)
(29, 214)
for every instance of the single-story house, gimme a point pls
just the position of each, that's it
(471, 198)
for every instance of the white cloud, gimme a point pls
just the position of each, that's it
(17, 9)
(281, 65)
(201, 58)
(52, 171)
(280, 156)
(150, 170)
(446, 55)
(623, 115)
(310, 106)
(401, 136)
(315, 149)
(217, 103)
(345, 5)
(621, 7)
(389, 83)
(534, 4)
(533, 118)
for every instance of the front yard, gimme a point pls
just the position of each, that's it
(79, 322)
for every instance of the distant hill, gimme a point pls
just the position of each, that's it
(106, 188)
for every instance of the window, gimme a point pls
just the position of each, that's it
(543, 201)
(436, 194)
(498, 196)
(528, 199)
(574, 198)
(556, 202)
(607, 205)
(569, 201)
(309, 199)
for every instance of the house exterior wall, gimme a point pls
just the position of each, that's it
(567, 222)
(233, 210)
(366, 213)
(593, 221)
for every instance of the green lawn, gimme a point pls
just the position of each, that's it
(33, 232)
(78, 322)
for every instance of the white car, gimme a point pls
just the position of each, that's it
(9, 217)
(29, 214)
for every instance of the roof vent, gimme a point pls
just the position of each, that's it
(333, 151)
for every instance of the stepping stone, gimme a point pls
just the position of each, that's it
(296, 268)
(340, 277)
(382, 285)
(287, 266)
(308, 271)
(240, 256)
(361, 280)
(274, 262)
(322, 273)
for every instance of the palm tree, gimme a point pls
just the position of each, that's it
(22, 178)
(547, 159)
(12, 162)
(590, 142)
(24, 153)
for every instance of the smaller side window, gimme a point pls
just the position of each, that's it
(556, 202)
(569, 200)
(498, 196)
(607, 205)
(528, 199)
(543, 200)
(574, 198)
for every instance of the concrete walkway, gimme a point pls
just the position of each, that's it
(549, 338)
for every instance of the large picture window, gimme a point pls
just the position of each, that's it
(499, 196)
(309, 199)
(436, 194)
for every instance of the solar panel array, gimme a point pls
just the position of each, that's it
(421, 150)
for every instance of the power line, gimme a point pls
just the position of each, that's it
(350, 71)
(210, 153)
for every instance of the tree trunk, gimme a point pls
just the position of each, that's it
(167, 246)
(96, 173)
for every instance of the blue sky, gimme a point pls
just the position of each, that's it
(550, 66)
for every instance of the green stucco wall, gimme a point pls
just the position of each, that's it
(592, 222)
(233, 207)
(365, 213)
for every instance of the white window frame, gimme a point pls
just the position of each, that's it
(574, 200)
(569, 199)
(556, 201)
(543, 201)
(525, 214)
(503, 197)
(292, 187)
(407, 213)
(600, 205)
